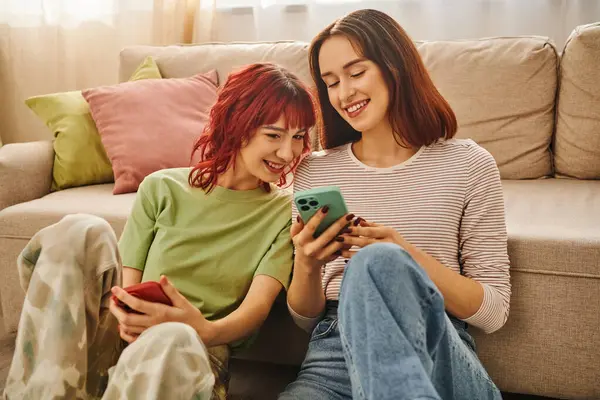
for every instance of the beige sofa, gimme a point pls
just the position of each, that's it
(537, 110)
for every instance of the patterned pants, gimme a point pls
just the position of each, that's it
(68, 340)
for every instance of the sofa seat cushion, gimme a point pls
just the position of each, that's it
(553, 226)
(24, 220)
(552, 223)
(554, 248)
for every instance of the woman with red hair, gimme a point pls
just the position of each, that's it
(216, 238)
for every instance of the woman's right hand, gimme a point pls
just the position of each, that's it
(312, 253)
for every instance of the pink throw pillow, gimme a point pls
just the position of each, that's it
(150, 124)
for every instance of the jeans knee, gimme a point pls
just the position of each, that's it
(383, 250)
(387, 265)
(377, 259)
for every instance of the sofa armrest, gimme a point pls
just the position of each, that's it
(25, 172)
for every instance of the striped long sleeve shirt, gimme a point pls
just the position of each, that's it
(447, 200)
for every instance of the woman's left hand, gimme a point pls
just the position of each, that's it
(131, 325)
(366, 233)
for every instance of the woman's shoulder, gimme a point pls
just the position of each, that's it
(464, 156)
(322, 161)
(327, 155)
(455, 144)
(171, 178)
(167, 175)
(466, 148)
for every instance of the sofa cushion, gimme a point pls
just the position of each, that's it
(553, 226)
(184, 61)
(502, 91)
(80, 158)
(577, 141)
(23, 220)
(151, 124)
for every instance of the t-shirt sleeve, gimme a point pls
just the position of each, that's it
(277, 262)
(139, 230)
(483, 240)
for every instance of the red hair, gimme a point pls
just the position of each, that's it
(257, 95)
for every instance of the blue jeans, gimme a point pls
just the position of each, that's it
(390, 338)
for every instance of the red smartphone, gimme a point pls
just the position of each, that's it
(149, 291)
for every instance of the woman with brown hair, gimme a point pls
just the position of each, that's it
(389, 299)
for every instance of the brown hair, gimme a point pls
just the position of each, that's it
(418, 113)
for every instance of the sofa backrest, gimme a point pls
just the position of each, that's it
(502, 90)
(188, 60)
(577, 140)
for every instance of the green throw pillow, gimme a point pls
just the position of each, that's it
(79, 157)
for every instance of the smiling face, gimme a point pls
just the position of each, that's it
(355, 85)
(270, 152)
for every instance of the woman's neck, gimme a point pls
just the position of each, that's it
(234, 179)
(378, 148)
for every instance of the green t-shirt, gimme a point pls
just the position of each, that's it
(209, 246)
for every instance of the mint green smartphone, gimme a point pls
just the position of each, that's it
(310, 201)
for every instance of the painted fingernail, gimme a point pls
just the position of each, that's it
(357, 221)
(345, 261)
(298, 218)
(347, 230)
(349, 217)
(325, 209)
(339, 239)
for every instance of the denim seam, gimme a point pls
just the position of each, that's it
(327, 331)
(477, 370)
(428, 301)
(425, 303)
(351, 362)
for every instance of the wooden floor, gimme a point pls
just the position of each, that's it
(250, 380)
